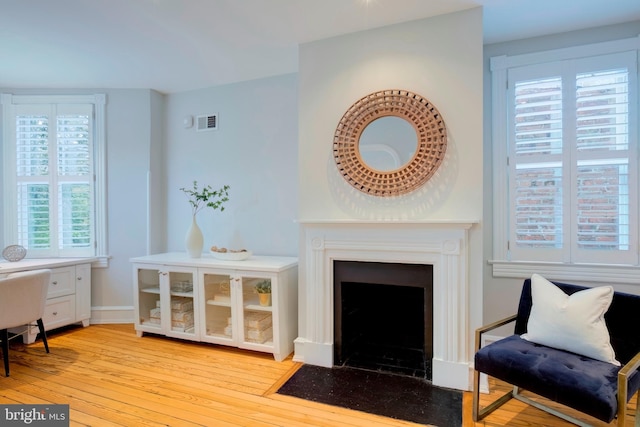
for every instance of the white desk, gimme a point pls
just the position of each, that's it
(69, 297)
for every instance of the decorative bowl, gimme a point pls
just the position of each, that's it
(232, 256)
(14, 253)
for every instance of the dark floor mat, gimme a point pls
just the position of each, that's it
(394, 396)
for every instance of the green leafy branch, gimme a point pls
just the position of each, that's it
(206, 197)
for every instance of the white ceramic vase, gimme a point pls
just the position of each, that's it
(194, 240)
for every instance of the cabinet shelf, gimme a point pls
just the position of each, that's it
(258, 307)
(221, 300)
(148, 323)
(182, 294)
(186, 331)
(219, 303)
(155, 290)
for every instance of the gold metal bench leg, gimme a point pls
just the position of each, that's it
(480, 413)
(622, 404)
(518, 396)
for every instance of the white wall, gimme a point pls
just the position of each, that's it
(255, 151)
(439, 58)
(157, 216)
(501, 294)
(129, 124)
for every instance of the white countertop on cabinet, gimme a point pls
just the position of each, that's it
(37, 263)
(253, 263)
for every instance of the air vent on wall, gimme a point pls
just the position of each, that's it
(208, 122)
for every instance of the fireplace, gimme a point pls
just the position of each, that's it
(383, 317)
(442, 246)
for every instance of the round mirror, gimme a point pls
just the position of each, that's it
(388, 143)
(393, 175)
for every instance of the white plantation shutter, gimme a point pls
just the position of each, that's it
(32, 162)
(537, 185)
(32, 136)
(50, 177)
(74, 213)
(572, 160)
(33, 215)
(74, 145)
(75, 180)
(603, 156)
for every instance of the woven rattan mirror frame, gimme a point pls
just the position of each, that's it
(430, 130)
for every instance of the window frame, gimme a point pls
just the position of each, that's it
(502, 263)
(9, 103)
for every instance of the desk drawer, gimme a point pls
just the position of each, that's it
(63, 282)
(59, 312)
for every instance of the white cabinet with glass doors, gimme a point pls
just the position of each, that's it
(232, 314)
(165, 300)
(225, 303)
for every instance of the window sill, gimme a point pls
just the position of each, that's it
(600, 273)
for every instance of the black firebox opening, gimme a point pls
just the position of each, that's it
(383, 317)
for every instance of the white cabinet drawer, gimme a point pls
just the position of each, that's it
(59, 312)
(63, 282)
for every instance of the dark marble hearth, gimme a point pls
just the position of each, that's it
(395, 396)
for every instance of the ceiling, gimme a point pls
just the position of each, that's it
(180, 45)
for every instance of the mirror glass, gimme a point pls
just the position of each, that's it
(388, 143)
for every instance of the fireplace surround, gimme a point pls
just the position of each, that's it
(444, 245)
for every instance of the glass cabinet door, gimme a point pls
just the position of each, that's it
(257, 314)
(181, 302)
(218, 303)
(148, 304)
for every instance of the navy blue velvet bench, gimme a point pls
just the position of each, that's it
(599, 389)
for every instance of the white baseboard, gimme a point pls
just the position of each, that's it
(312, 353)
(112, 314)
(451, 375)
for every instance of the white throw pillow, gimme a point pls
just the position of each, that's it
(571, 322)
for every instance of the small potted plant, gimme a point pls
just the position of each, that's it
(263, 288)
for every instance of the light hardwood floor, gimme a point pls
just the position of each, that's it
(110, 377)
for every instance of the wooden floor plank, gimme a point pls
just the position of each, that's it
(111, 377)
(99, 404)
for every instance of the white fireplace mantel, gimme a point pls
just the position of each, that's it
(442, 244)
(432, 223)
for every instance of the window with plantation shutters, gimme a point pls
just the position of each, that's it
(569, 175)
(50, 179)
